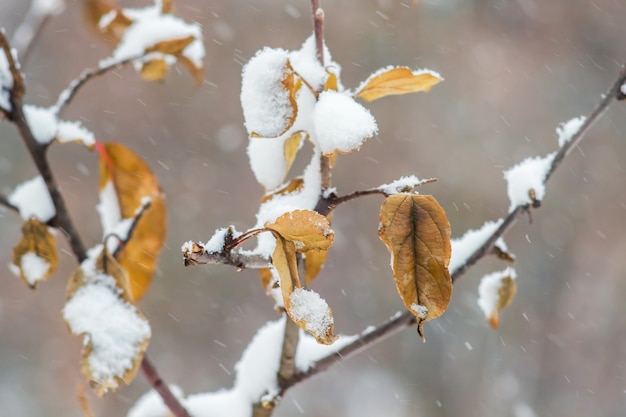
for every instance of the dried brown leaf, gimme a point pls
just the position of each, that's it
(35, 254)
(133, 180)
(506, 294)
(306, 229)
(295, 184)
(416, 231)
(396, 80)
(313, 262)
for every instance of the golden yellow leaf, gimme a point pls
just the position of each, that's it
(133, 181)
(171, 47)
(166, 6)
(295, 184)
(313, 262)
(416, 231)
(332, 82)
(35, 254)
(154, 70)
(95, 9)
(291, 147)
(267, 278)
(306, 229)
(96, 302)
(396, 80)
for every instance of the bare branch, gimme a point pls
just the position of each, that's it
(406, 319)
(195, 254)
(157, 383)
(70, 91)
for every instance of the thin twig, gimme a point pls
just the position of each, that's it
(157, 383)
(407, 319)
(70, 91)
(138, 215)
(62, 219)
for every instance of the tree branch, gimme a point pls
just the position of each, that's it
(62, 218)
(70, 91)
(157, 383)
(195, 254)
(406, 319)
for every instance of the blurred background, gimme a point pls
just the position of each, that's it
(513, 69)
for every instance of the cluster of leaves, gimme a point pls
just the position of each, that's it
(291, 98)
(115, 273)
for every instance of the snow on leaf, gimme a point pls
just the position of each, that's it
(526, 181)
(341, 124)
(115, 332)
(46, 127)
(36, 254)
(153, 36)
(33, 200)
(495, 293)
(466, 245)
(125, 181)
(305, 63)
(416, 231)
(565, 131)
(396, 80)
(311, 313)
(268, 91)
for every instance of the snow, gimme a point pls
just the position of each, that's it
(45, 126)
(305, 63)
(149, 29)
(6, 81)
(465, 246)
(74, 131)
(402, 185)
(33, 200)
(216, 242)
(308, 307)
(42, 122)
(421, 310)
(489, 287)
(567, 130)
(623, 88)
(267, 108)
(255, 378)
(151, 404)
(341, 124)
(48, 7)
(528, 175)
(113, 327)
(108, 208)
(34, 268)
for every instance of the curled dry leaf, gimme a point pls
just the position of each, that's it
(416, 231)
(35, 254)
(495, 292)
(302, 231)
(291, 147)
(116, 334)
(294, 185)
(154, 70)
(133, 181)
(396, 80)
